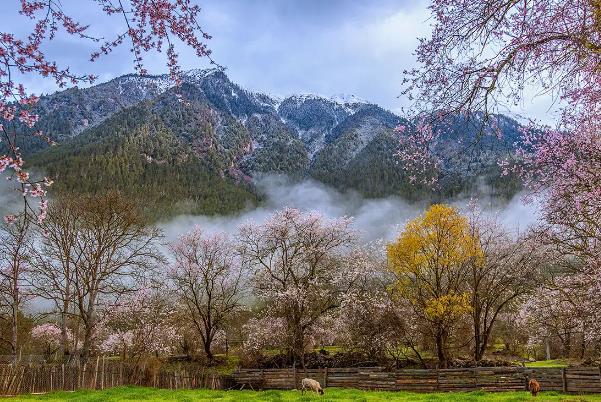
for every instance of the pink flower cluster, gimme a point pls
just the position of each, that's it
(48, 333)
(149, 24)
(481, 57)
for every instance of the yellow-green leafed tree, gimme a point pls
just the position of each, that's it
(430, 260)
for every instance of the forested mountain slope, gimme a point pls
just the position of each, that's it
(195, 149)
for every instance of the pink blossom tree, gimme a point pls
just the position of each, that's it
(301, 268)
(145, 25)
(368, 324)
(565, 167)
(139, 325)
(263, 333)
(207, 280)
(483, 55)
(49, 335)
(564, 312)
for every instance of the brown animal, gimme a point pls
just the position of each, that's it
(311, 384)
(533, 387)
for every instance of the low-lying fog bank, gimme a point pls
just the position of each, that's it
(375, 219)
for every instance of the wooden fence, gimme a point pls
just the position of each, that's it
(100, 374)
(575, 380)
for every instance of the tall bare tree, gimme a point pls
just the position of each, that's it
(115, 247)
(53, 272)
(15, 254)
(510, 270)
(95, 249)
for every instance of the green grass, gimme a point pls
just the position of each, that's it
(548, 363)
(330, 349)
(229, 365)
(332, 394)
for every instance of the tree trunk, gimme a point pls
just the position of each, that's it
(441, 349)
(567, 345)
(207, 348)
(477, 336)
(296, 338)
(87, 345)
(298, 346)
(481, 342)
(478, 352)
(15, 330)
(64, 347)
(89, 325)
(583, 340)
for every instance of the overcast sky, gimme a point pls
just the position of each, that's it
(282, 47)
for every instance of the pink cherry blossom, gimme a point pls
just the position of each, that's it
(146, 25)
(481, 57)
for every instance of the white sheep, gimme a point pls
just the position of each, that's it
(311, 384)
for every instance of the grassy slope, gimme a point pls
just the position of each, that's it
(150, 394)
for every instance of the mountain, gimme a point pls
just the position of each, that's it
(195, 148)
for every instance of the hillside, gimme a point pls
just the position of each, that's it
(195, 149)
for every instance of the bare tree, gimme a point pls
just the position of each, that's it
(300, 270)
(510, 270)
(15, 253)
(95, 249)
(53, 272)
(116, 247)
(207, 278)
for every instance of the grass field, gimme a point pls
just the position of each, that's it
(548, 363)
(333, 394)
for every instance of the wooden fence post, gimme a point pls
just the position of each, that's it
(96, 372)
(20, 381)
(564, 380)
(325, 378)
(102, 377)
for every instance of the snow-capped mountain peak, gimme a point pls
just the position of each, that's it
(345, 99)
(198, 73)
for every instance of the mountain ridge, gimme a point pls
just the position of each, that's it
(227, 134)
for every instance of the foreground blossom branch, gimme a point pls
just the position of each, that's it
(483, 55)
(150, 25)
